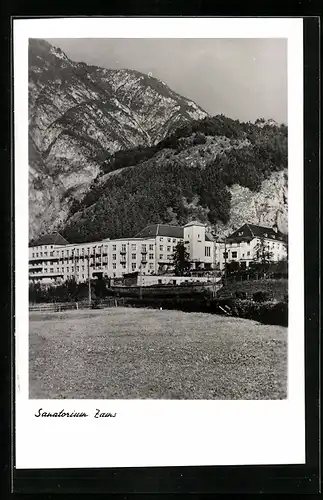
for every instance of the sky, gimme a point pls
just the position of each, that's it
(244, 79)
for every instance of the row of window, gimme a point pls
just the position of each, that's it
(88, 250)
(234, 255)
(78, 251)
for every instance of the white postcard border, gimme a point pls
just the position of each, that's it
(162, 433)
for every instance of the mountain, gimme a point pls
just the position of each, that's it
(220, 171)
(79, 115)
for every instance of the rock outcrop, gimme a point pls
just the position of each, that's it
(78, 115)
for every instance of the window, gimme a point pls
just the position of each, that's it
(133, 256)
(51, 270)
(123, 248)
(151, 266)
(243, 255)
(33, 254)
(133, 246)
(67, 252)
(225, 255)
(248, 254)
(143, 248)
(46, 247)
(82, 251)
(174, 240)
(161, 256)
(41, 254)
(168, 249)
(114, 265)
(169, 240)
(123, 265)
(114, 256)
(151, 247)
(133, 266)
(174, 248)
(82, 268)
(161, 239)
(151, 256)
(234, 255)
(45, 254)
(78, 268)
(82, 275)
(161, 248)
(67, 270)
(207, 251)
(114, 247)
(51, 254)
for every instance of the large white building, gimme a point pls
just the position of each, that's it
(52, 259)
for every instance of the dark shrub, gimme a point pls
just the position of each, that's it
(264, 312)
(241, 295)
(277, 314)
(261, 296)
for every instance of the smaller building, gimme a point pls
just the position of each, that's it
(244, 245)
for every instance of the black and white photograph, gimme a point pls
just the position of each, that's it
(156, 175)
(158, 218)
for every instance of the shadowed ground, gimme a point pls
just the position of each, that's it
(126, 353)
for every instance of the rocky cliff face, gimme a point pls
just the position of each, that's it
(78, 115)
(267, 207)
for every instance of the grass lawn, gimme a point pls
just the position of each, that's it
(126, 353)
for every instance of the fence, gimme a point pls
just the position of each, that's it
(65, 306)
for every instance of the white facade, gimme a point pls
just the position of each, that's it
(246, 251)
(113, 258)
(175, 280)
(148, 255)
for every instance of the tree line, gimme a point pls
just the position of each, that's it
(161, 192)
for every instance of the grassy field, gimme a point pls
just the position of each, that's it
(126, 353)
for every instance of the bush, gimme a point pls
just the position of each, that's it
(241, 295)
(275, 314)
(264, 312)
(261, 296)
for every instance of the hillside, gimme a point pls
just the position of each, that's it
(78, 116)
(217, 170)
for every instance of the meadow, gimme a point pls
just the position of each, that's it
(125, 353)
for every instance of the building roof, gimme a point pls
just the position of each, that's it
(49, 239)
(161, 230)
(250, 231)
(168, 230)
(195, 223)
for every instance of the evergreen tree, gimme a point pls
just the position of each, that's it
(262, 253)
(100, 288)
(181, 260)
